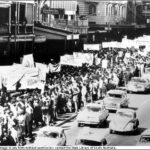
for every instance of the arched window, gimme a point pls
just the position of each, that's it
(92, 9)
(109, 10)
(77, 12)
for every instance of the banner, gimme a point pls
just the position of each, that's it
(92, 47)
(42, 70)
(10, 75)
(87, 58)
(28, 61)
(70, 61)
(30, 82)
(32, 79)
(104, 63)
(54, 67)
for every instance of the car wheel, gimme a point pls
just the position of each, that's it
(105, 122)
(79, 124)
(130, 92)
(64, 144)
(111, 131)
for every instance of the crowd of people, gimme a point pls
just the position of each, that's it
(65, 91)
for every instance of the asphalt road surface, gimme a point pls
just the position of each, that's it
(138, 102)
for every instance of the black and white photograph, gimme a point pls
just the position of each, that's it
(75, 73)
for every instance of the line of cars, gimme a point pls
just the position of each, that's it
(125, 119)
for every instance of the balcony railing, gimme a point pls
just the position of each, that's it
(71, 25)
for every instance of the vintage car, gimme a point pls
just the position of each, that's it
(115, 99)
(92, 114)
(91, 138)
(124, 121)
(50, 136)
(138, 84)
(144, 138)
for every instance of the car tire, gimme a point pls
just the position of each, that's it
(111, 131)
(130, 92)
(64, 144)
(79, 124)
(105, 122)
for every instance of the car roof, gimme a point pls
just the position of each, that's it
(88, 134)
(116, 92)
(140, 78)
(51, 129)
(146, 132)
(125, 110)
(94, 105)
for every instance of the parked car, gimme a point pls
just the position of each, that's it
(144, 138)
(124, 121)
(92, 114)
(50, 136)
(91, 138)
(138, 84)
(115, 99)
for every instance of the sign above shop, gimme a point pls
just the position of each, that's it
(47, 10)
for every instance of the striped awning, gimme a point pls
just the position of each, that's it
(70, 5)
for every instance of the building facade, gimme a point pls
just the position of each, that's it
(61, 14)
(16, 28)
(103, 12)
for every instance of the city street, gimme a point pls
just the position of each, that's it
(138, 102)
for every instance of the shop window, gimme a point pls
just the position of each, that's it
(66, 17)
(56, 16)
(45, 17)
(22, 13)
(92, 9)
(72, 17)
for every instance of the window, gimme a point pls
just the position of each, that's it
(65, 17)
(72, 17)
(45, 17)
(92, 9)
(56, 16)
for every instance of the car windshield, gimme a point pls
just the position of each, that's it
(49, 134)
(115, 95)
(145, 139)
(138, 80)
(93, 109)
(88, 142)
(124, 114)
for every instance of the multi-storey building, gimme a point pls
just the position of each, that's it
(58, 21)
(103, 11)
(61, 14)
(16, 28)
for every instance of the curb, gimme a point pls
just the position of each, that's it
(63, 122)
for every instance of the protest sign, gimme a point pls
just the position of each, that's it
(82, 58)
(104, 63)
(92, 47)
(54, 67)
(28, 61)
(70, 61)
